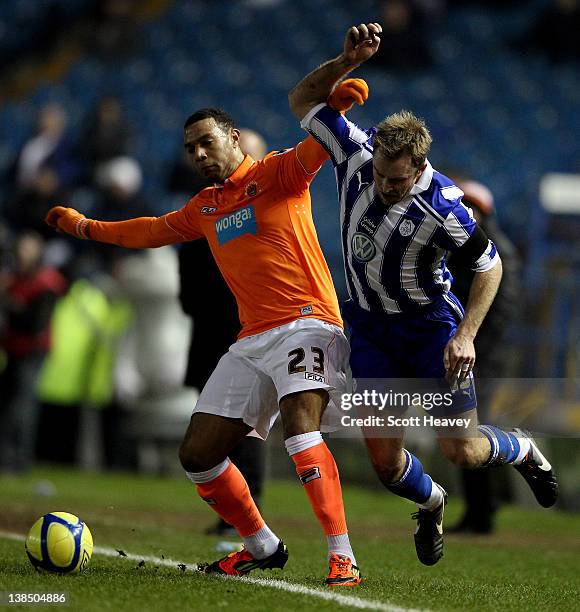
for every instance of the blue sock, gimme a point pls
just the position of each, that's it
(504, 445)
(414, 484)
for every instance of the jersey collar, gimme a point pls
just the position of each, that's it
(238, 176)
(424, 180)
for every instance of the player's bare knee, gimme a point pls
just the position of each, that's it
(461, 452)
(186, 458)
(194, 457)
(302, 412)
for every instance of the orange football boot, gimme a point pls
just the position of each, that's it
(243, 562)
(342, 572)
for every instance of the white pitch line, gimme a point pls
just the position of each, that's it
(12, 536)
(342, 600)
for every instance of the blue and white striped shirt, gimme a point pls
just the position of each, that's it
(394, 258)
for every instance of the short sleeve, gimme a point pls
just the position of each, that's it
(290, 172)
(340, 137)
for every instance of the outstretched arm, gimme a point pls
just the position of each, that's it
(311, 154)
(360, 44)
(140, 233)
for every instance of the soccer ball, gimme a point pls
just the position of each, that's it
(59, 542)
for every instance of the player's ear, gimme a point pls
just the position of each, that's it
(235, 136)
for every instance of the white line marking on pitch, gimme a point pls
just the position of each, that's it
(290, 587)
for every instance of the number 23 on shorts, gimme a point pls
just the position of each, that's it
(297, 357)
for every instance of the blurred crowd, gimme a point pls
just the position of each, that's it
(407, 25)
(68, 309)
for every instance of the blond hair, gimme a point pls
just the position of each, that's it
(402, 133)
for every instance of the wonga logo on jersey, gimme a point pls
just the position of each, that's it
(236, 224)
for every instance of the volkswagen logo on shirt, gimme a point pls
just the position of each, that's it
(363, 248)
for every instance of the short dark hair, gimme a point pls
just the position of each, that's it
(220, 116)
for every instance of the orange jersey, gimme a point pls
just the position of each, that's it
(260, 230)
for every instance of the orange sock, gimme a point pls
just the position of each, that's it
(229, 496)
(318, 473)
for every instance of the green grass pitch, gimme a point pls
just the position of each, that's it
(530, 563)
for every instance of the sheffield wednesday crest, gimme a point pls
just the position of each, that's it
(406, 228)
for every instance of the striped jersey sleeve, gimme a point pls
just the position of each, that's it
(339, 136)
(454, 232)
(488, 260)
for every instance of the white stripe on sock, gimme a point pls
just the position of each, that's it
(435, 499)
(301, 442)
(209, 475)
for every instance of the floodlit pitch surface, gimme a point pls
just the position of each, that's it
(531, 563)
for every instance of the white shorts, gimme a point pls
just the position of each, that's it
(258, 371)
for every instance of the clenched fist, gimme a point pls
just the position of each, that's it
(347, 93)
(69, 221)
(361, 43)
